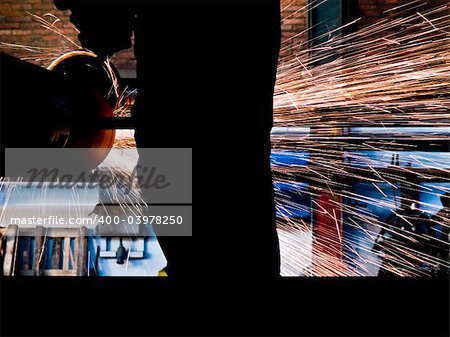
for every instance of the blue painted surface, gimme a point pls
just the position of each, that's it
(2, 194)
(430, 195)
(400, 131)
(293, 199)
(416, 159)
(150, 265)
(289, 158)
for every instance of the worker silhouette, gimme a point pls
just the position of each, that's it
(206, 72)
(442, 235)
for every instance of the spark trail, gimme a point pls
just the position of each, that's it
(391, 76)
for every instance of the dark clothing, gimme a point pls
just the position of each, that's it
(442, 244)
(206, 72)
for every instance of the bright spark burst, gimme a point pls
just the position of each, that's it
(389, 74)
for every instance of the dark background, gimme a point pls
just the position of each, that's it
(293, 306)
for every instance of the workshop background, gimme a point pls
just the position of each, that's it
(360, 144)
(18, 27)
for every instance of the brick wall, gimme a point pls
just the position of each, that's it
(294, 23)
(373, 10)
(18, 27)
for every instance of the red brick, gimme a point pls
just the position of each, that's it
(7, 25)
(50, 38)
(5, 32)
(21, 32)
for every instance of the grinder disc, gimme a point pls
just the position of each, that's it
(96, 86)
